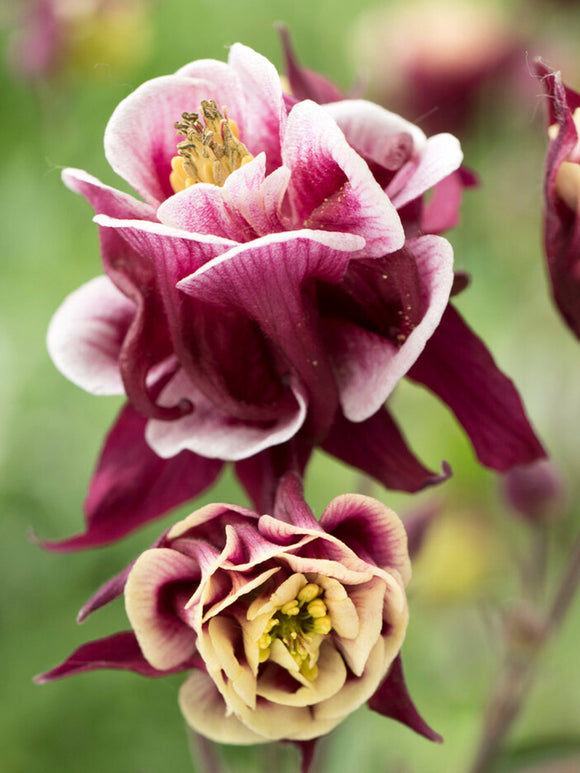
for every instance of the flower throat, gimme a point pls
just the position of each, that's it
(211, 150)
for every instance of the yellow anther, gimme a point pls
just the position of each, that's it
(272, 623)
(211, 150)
(290, 608)
(309, 592)
(264, 641)
(316, 608)
(322, 625)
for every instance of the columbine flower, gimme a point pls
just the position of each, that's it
(289, 623)
(561, 195)
(268, 294)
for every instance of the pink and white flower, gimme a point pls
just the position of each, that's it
(287, 624)
(269, 292)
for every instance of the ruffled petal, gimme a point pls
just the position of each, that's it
(263, 280)
(331, 187)
(440, 156)
(86, 334)
(459, 369)
(164, 639)
(372, 530)
(265, 113)
(214, 434)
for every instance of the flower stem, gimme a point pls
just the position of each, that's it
(204, 755)
(519, 668)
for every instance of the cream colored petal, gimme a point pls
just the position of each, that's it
(205, 514)
(287, 591)
(357, 690)
(342, 611)
(331, 677)
(396, 614)
(329, 568)
(252, 630)
(368, 600)
(280, 655)
(224, 633)
(164, 639)
(274, 721)
(234, 703)
(205, 711)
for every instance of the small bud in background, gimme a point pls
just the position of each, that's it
(431, 60)
(536, 491)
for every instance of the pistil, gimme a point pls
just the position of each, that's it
(299, 624)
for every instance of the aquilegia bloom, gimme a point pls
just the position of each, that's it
(286, 624)
(268, 294)
(562, 195)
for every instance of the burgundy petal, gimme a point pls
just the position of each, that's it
(260, 474)
(459, 369)
(291, 506)
(442, 211)
(132, 485)
(119, 651)
(377, 447)
(561, 221)
(392, 700)
(264, 280)
(304, 83)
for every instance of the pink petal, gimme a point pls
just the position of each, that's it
(265, 113)
(377, 447)
(245, 207)
(440, 156)
(372, 530)
(132, 485)
(331, 187)
(86, 333)
(106, 200)
(291, 507)
(459, 369)
(369, 128)
(214, 434)
(263, 280)
(368, 366)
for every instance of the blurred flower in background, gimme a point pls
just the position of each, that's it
(432, 60)
(51, 37)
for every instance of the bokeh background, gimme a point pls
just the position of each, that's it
(53, 115)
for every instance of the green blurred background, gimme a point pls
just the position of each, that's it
(50, 431)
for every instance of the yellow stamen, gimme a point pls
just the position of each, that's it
(211, 150)
(316, 608)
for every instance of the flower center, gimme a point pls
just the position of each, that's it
(300, 624)
(211, 150)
